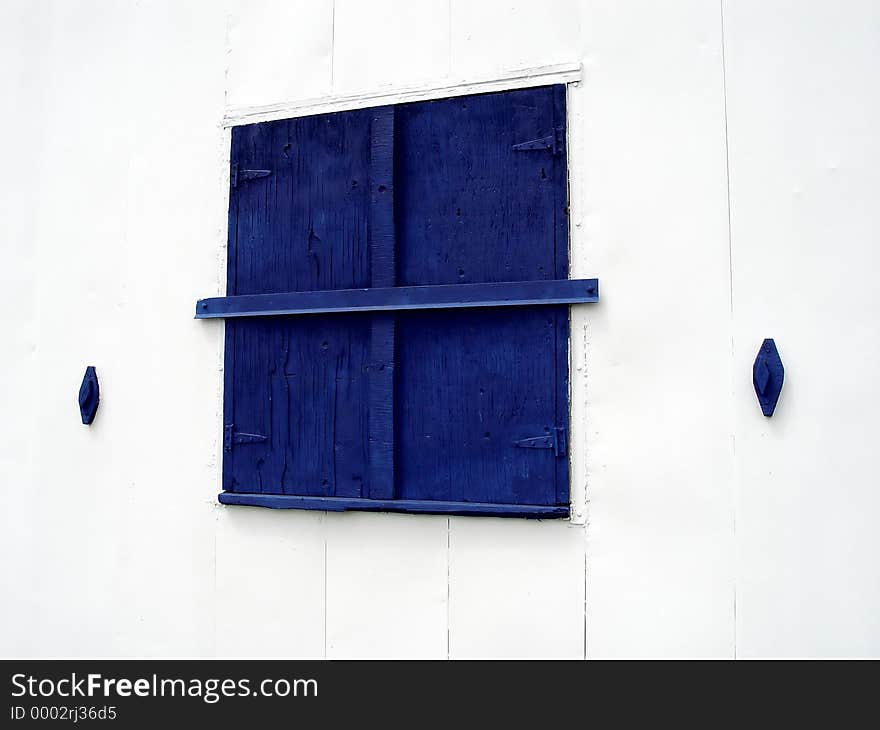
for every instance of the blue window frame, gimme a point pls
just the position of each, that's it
(397, 309)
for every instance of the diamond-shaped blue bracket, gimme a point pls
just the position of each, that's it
(767, 376)
(89, 395)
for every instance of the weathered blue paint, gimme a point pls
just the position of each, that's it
(471, 382)
(560, 232)
(337, 504)
(408, 234)
(89, 396)
(304, 383)
(442, 296)
(768, 375)
(382, 335)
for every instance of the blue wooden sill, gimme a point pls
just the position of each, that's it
(343, 504)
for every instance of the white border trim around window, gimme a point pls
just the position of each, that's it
(579, 341)
(564, 73)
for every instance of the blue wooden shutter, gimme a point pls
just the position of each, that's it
(297, 390)
(385, 393)
(471, 207)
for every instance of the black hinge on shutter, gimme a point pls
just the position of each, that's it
(557, 440)
(237, 175)
(231, 436)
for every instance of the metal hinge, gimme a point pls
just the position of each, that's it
(553, 142)
(231, 436)
(557, 440)
(237, 175)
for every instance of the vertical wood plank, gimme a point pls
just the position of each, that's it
(260, 54)
(299, 390)
(229, 326)
(659, 474)
(560, 252)
(470, 208)
(371, 39)
(386, 590)
(382, 255)
(473, 208)
(382, 268)
(516, 589)
(804, 187)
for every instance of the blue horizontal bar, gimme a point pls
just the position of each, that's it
(342, 504)
(440, 296)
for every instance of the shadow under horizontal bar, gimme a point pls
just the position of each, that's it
(439, 296)
(343, 504)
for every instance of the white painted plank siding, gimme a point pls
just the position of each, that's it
(388, 43)
(699, 527)
(386, 586)
(650, 218)
(804, 114)
(277, 49)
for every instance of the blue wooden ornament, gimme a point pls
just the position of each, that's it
(89, 396)
(767, 376)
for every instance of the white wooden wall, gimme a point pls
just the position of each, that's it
(724, 166)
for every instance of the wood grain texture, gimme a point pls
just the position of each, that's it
(305, 386)
(470, 207)
(304, 227)
(482, 379)
(430, 408)
(385, 299)
(561, 268)
(302, 384)
(418, 506)
(383, 274)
